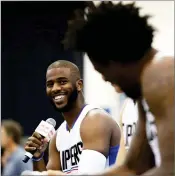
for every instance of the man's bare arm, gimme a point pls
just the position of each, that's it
(98, 133)
(139, 157)
(54, 162)
(160, 97)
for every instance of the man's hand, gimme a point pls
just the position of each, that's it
(36, 142)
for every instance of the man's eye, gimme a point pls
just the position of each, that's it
(63, 82)
(49, 84)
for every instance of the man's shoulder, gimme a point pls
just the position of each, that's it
(99, 114)
(157, 72)
(98, 124)
(158, 79)
(100, 117)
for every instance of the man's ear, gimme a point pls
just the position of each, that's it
(79, 85)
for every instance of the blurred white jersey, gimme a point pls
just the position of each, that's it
(70, 144)
(129, 120)
(151, 128)
(151, 131)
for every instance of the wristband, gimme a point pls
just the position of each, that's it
(38, 159)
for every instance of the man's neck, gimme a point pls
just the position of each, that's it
(71, 116)
(11, 148)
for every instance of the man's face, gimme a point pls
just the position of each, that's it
(117, 88)
(60, 88)
(108, 73)
(5, 138)
(121, 77)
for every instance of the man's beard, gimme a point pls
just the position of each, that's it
(133, 92)
(70, 102)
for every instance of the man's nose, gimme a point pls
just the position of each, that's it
(56, 88)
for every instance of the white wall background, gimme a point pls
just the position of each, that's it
(101, 93)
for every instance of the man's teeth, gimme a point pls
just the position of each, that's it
(59, 97)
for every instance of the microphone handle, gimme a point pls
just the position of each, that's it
(26, 157)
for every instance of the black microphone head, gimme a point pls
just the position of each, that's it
(51, 121)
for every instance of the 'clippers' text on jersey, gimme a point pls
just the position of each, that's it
(71, 156)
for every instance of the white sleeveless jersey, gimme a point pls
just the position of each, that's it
(129, 120)
(70, 144)
(151, 131)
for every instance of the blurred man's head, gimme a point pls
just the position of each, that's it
(63, 84)
(116, 38)
(116, 87)
(11, 132)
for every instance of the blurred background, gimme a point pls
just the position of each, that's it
(31, 34)
(31, 40)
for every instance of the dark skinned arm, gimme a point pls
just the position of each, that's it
(162, 106)
(54, 158)
(139, 157)
(99, 131)
(96, 132)
(54, 162)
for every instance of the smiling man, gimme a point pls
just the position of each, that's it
(88, 139)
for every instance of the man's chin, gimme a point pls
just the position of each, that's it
(60, 106)
(117, 88)
(63, 107)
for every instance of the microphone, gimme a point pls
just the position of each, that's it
(47, 130)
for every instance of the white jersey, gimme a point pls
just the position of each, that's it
(151, 131)
(129, 120)
(70, 145)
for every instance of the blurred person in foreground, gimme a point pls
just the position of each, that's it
(88, 139)
(118, 42)
(11, 133)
